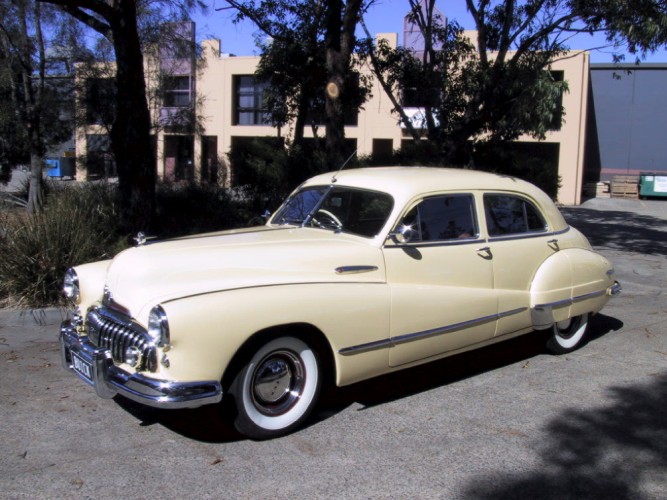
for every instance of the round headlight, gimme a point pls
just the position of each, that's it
(71, 285)
(158, 326)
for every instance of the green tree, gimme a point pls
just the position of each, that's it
(309, 63)
(31, 89)
(499, 88)
(119, 22)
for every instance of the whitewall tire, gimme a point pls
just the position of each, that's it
(276, 389)
(566, 336)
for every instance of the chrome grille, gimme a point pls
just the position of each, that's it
(117, 332)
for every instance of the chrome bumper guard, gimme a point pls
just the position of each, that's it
(614, 289)
(109, 380)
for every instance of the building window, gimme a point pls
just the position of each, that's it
(249, 101)
(383, 149)
(99, 159)
(176, 91)
(99, 101)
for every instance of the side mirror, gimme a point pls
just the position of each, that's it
(402, 234)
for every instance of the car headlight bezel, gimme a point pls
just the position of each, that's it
(158, 326)
(71, 288)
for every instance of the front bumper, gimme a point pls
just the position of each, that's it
(108, 379)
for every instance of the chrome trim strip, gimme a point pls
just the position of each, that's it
(535, 234)
(572, 300)
(411, 337)
(109, 379)
(520, 236)
(447, 243)
(477, 239)
(355, 269)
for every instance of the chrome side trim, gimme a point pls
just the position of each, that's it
(355, 269)
(109, 379)
(411, 337)
(572, 300)
(542, 314)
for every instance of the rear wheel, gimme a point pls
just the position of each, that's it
(276, 389)
(567, 335)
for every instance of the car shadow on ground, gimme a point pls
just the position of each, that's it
(617, 230)
(211, 423)
(616, 451)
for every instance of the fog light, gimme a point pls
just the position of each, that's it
(132, 356)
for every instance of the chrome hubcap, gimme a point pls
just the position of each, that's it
(277, 382)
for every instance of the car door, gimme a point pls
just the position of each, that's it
(441, 280)
(519, 242)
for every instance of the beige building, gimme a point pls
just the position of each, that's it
(228, 106)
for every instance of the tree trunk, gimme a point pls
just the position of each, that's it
(130, 134)
(335, 61)
(35, 191)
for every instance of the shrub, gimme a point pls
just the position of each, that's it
(78, 224)
(184, 209)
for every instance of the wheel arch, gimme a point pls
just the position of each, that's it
(306, 332)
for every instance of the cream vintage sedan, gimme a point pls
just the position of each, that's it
(359, 273)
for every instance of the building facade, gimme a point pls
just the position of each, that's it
(203, 113)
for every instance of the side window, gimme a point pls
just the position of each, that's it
(442, 218)
(508, 215)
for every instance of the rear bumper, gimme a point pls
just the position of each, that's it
(96, 367)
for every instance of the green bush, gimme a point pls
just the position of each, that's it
(78, 225)
(82, 224)
(184, 209)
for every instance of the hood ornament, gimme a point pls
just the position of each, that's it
(140, 239)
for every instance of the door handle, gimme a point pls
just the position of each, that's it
(485, 250)
(553, 244)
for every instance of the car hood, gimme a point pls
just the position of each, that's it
(141, 277)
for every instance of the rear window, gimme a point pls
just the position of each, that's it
(510, 215)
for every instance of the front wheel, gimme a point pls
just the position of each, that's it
(567, 335)
(276, 389)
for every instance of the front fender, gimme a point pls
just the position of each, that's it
(208, 330)
(91, 283)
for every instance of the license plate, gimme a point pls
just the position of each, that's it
(82, 367)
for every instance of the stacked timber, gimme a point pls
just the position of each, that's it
(625, 186)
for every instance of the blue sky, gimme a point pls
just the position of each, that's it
(384, 16)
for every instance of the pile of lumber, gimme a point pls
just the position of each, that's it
(596, 190)
(625, 186)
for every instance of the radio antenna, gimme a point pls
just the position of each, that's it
(333, 179)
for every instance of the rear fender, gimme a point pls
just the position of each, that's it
(569, 283)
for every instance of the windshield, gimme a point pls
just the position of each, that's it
(350, 210)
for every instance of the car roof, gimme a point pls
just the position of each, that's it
(421, 179)
(405, 183)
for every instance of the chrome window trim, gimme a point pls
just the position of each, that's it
(440, 242)
(443, 243)
(531, 234)
(539, 232)
(411, 337)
